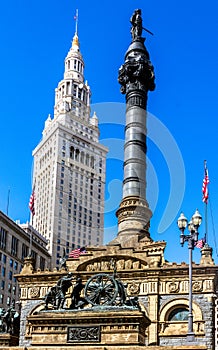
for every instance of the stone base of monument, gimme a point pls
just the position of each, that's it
(91, 327)
(7, 339)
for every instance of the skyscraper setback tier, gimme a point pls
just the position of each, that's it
(69, 167)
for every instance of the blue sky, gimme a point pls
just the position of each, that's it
(35, 37)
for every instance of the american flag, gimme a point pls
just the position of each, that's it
(200, 243)
(32, 202)
(205, 184)
(77, 252)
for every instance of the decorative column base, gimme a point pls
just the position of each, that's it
(28, 266)
(7, 340)
(133, 221)
(206, 255)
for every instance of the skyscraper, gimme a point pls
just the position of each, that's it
(69, 166)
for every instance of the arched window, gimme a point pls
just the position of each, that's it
(82, 157)
(179, 314)
(77, 154)
(87, 159)
(92, 162)
(72, 152)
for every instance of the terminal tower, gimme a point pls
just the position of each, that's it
(69, 166)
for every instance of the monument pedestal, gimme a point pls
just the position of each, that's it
(9, 340)
(91, 327)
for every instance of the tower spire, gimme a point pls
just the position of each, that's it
(73, 93)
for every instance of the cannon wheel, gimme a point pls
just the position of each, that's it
(101, 289)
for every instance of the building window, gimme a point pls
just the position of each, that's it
(179, 314)
(3, 238)
(24, 251)
(42, 263)
(4, 259)
(1, 298)
(34, 255)
(11, 262)
(3, 271)
(3, 285)
(10, 274)
(14, 246)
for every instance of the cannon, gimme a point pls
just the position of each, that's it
(103, 289)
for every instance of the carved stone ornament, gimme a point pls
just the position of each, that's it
(197, 286)
(83, 334)
(133, 288)
(121, 264)
(34, 292)
(173, 287)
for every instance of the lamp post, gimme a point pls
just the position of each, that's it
(192, 239)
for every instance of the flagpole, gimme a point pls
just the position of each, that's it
(32, 213)
(76, 19)
(206, 223)
(31, 236)
(205, 198)
(8, 200)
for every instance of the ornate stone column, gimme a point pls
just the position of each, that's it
(136, 77)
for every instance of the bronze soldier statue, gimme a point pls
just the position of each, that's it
(136, 21)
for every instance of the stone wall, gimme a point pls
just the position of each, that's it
(206, 305)
(25, 311)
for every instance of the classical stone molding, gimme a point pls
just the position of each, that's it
(134, 202)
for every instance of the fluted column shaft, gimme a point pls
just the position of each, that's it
(134, 182)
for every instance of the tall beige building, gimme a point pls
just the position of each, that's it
(69, 166)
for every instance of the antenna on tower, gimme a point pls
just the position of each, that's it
(76, 19)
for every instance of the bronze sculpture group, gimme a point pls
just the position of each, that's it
(99, 291)
(10, 320)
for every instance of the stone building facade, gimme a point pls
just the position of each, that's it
(16, 241)
(162, 289)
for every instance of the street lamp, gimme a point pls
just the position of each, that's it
(192, 239)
